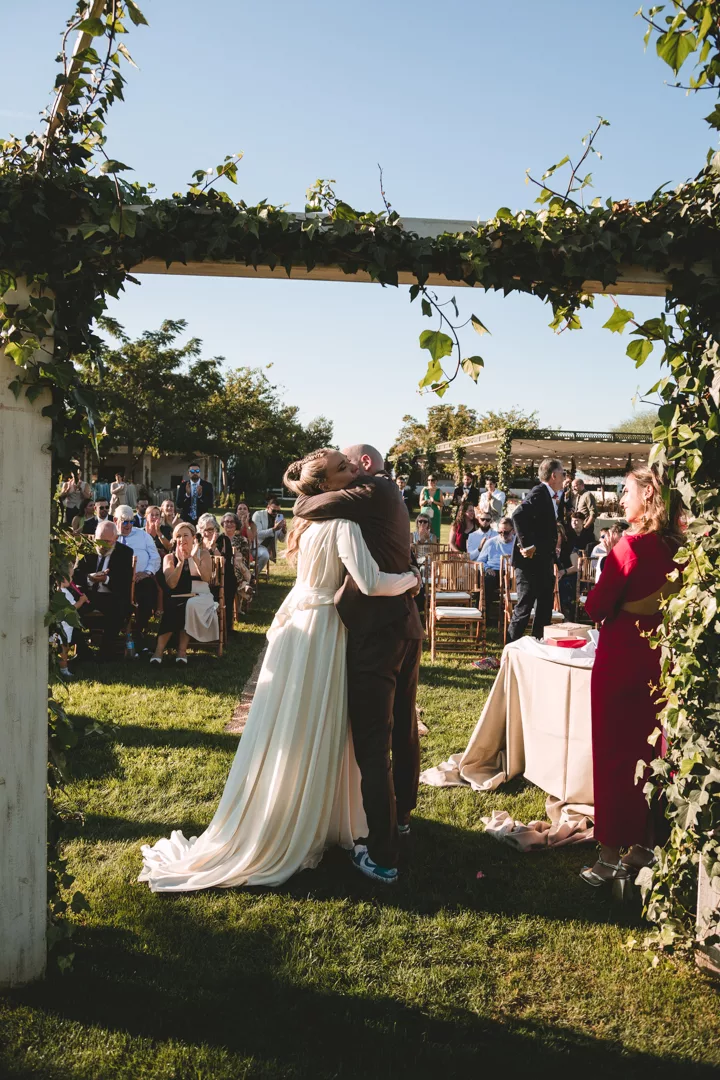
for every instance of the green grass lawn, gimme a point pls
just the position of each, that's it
(519, 973)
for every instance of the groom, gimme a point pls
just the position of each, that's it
(383, 659)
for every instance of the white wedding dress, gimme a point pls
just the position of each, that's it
(294, 787)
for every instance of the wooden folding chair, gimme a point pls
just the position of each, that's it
(456, 626)
(585, 582)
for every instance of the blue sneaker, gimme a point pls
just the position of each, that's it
(362, 862)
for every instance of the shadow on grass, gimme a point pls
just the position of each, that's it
(234, 992)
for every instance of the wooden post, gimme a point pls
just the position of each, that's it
(708, 921)
(24, 525)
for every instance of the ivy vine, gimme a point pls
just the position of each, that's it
(73, 228)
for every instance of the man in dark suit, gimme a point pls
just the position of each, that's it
(106, 580)
(406, 492)
(535, 521)
(195, 497)
(468, 490)
(383, 654)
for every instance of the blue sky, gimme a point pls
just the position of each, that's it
(455, 101)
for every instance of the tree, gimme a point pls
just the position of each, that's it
(154, 394)
(641, 422)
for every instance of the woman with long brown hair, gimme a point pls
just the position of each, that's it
(464, 524)
(625, 675)
(294, 787)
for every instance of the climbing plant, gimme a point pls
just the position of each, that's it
(73, 227)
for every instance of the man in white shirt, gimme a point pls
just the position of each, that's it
(147, 566)
(491, 555)
(492, 501)
(476, 540)
(271, 527)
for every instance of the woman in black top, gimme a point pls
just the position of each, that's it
(216, 543)
(187, 564)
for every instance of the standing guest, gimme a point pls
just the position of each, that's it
(143, 547)
(492, 501)
(140, 512)
(535, 522)
(169, 518)
(626, 673)
(566, 560)
(118, 493)
(477, 539)
(464, 525)
(406, 493)
(431, 501)
(492, 553)
(186, 571)
(565, 503)
(248, 530)
(467, 491)
(583, 502)
(195, 497)
(161, 535)
(74, 495)
(270, 526)
(106, 579)
(422, 534)
(85, 523)
(240, 555)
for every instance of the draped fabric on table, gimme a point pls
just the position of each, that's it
(535, 722)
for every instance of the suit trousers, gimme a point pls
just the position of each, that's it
(534, 586)
(146, 599)
(382, 675)
(113, 617)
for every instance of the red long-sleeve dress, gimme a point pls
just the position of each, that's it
(624, 709)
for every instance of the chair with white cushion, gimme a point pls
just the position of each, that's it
(457, 627)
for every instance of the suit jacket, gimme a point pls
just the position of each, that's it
(376, 505)
(205, 500)
(472, 496)
(120, 577)
(408, 497)
(535, 524)
(585, 504)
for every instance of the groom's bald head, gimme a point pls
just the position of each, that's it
(368, 458)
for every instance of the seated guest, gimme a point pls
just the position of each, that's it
(169, 518)
(70, 635)
(195, 497)
(105, 579)
(463, 526)
(85, 523)
(477, 539)
(580, 537)
(140, 511)
(161, 535)
(626, 674)
(422, 534)
(142, 545)
(271, 527)
(492, 553)
(406, 493)
(102, 509)
(598, 553)
(187, 571)
(218, 544)
(566, 560)
(492, 501)
(248, 531)
(240, 555)
(467, 491)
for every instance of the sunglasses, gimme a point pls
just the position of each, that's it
(194, 472)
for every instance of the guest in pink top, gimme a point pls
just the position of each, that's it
(626, 600)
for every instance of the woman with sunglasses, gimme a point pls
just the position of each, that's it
(431, 503)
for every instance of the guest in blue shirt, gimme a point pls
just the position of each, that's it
(491, 553)
(148, 563)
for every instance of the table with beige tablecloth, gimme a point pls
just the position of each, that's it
(536, 723)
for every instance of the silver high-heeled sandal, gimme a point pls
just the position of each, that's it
(619, 873)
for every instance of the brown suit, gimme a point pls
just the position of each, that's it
(384, 648)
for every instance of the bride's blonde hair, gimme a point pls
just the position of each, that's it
(304, 477)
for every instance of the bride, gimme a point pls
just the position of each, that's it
(294, 787)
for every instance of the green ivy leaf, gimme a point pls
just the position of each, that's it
(136, 16)
(674, 47)
(433, 374)
(112, 166)
(639, 351)
(93, 27)
(437, 343)
(477, 326)
(472, 366)
(618, 320)
(713, 118)
(426, 307)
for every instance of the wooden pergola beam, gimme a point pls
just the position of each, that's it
(632, 280)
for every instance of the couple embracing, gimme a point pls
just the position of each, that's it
(330, 753)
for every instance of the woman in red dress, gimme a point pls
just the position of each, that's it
(626, 600)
